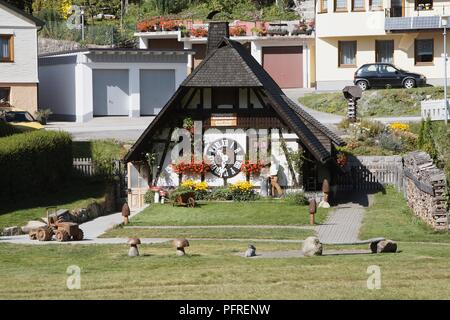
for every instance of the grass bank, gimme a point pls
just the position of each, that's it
(375, 103)
(390, 217)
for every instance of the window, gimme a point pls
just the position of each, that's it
(6, 48)
(347, 53)
(376, 5)
(323, 6)
(423, 5)
(358, 5)
(386, 69)
(384, 51)
(340, 5)
(4, 95)
(424, 51)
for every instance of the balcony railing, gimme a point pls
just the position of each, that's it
(417, 18)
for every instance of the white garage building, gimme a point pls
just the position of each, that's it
(82, 84)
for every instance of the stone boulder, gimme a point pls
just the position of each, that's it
(383, 246)
(94, 210)
(12, 231)
(312, 247)
(33, 224)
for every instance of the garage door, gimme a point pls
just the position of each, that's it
(285, 65)
(110, 92)
(157, 86)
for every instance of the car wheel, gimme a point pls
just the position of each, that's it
(409, 83)
(363, 85)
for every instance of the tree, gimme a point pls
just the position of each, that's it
(25, 5)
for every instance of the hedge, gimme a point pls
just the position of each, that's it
(7, 130)
(34, 162)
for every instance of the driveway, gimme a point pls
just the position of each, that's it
(123, 129)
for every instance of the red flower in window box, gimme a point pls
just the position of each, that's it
(250, 167)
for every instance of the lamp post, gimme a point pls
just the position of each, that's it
(444, 23)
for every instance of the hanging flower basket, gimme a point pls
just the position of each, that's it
(252, 168)
(342, 159)
(183, 167)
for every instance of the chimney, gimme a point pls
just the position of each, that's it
(216, 32)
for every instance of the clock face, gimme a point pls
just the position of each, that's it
(225, 157)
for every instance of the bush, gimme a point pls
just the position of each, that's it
(34, 162)
(391, 142)
(8, 130)
(149, 197)
(220, 194)
(297, 198)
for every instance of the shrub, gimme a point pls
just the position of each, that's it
(8, 130)
(34, 162)
(242, 191)
(149, 197)
(297, 198)
(391, 142)
(220, 194)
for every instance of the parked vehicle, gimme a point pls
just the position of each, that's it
(386, 75)
(22, 118)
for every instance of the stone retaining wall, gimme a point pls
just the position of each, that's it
(425, 189)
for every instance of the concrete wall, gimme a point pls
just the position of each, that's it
(23, 95)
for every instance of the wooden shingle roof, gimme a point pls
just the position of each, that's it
(231, 65)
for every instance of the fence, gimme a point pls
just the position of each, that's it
(370, 177)
(435, 109)
(117, 171)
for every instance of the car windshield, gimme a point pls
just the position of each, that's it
(19, 117)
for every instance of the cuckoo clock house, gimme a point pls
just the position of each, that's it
(235, 113)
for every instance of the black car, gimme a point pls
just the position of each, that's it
(386, 75)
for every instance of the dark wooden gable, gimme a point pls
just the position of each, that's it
(230, 65)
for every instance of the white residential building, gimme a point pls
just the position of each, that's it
(18, 57)
(350, 33)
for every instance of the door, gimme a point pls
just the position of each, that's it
(389, 76)
(156, 87)
(285, 65)
(110, 90)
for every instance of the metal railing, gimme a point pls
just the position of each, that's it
(417, 10)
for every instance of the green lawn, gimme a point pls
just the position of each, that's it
(390, 217)
(213, 233)
(385, 102)
(75, 195)
(227, 213)
(212, 270)
(108, 149)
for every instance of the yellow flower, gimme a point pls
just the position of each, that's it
(188, 183)
(198, 186)
(201, 186)
(398, 126)
(242, 186)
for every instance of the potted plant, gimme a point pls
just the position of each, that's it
(199, 32)
(43, 115)
(238, 31)
(259, 31)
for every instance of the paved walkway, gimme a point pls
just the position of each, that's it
(344, 222)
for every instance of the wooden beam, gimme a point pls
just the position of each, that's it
(286, 152)
(161, 161)
(190, 99)
(260, 99)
